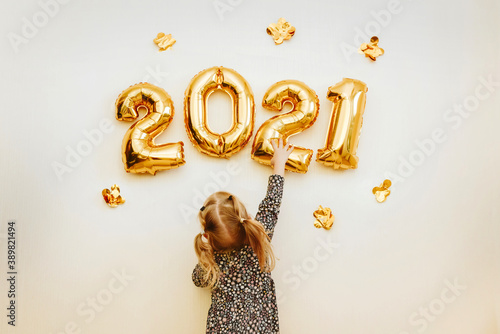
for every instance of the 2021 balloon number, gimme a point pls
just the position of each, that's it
(195, 112)
(349, 99)
(141, 155)
(139, 152)
(302, 116)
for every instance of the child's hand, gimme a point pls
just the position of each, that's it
(281, 153)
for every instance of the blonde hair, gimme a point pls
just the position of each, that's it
(227, 226)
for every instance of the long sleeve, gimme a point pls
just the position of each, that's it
(197, 276)
(269, 208)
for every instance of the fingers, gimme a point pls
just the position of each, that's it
(274, 142)
(277, 143)
(287, 147)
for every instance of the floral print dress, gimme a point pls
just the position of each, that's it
(244, 299)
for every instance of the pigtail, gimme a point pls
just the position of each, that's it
(205, 254)
(256, 237)
(260, 242)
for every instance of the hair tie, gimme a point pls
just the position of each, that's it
(230, 197)
(242, 220)
(202, 208)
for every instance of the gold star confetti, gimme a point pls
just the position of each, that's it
(383, 191)
(324, 218)
(164, 41)
(281, 31)
(371, 50)
(112, 197)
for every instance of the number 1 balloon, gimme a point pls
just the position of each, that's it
(349, 98)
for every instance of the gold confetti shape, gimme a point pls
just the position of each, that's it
(164, 41)
(281, 31)
(383, 191)
(371, 50)
(324, 218)
(112, 197)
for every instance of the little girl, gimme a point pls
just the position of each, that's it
(236, 258)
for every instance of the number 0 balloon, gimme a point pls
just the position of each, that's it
(195, 112)
(349, 98)
(139, 152)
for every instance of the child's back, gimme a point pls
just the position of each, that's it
(244, 297)
(236, 258)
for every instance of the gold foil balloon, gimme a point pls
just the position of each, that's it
(281, 31)
(164, 41)
(371, 50)
(112, 197)
(139, 152)
(382, 191)
(324, 218)
(303, 115)
(349, 97)
(195, 111)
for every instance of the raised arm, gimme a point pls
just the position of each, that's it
(269, 208)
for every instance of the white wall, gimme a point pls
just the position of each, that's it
(389, 263)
